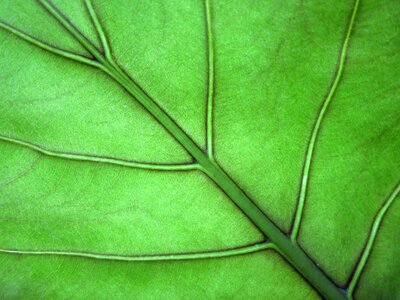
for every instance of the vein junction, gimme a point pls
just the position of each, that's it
(93, 63)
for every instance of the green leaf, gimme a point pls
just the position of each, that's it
(191, 150)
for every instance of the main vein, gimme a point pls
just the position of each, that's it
(371, 239)
(317, 127)
(210, 79)
(159, 257)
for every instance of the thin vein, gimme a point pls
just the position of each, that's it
(317, 127)
(36, 42)
(100, 159)
(210, 79)
(99, 29)
(22, 173)
(143, 258)
(371, 239)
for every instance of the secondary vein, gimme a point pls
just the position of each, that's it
(147, 258)
(210, 78)
(371, 239)
(317, 126)
(75, 33)
(36, 42)
(99, 29)
(99, 159)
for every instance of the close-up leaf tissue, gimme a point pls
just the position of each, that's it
(200, 149)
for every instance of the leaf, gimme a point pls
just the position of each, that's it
(131, 132)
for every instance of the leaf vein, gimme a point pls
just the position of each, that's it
(210, 79)
(100, 159)
(147, 258)
(50, 48)
(371, 239)
(99, 29)
(22, 173)
(304, 181)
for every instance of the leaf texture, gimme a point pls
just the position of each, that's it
(129, 130)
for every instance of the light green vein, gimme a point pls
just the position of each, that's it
(100, 159)
(144, 258)
(317, 126)
(371, 239)
(210, 79)
(99, 29)
(49, 48)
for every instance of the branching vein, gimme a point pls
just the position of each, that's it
(162, 257)
(75, 33)
(317, 126)
(371, 239)
(100, 159)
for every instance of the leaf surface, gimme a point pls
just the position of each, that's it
(297, 102)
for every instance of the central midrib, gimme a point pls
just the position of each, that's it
(290, 250)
